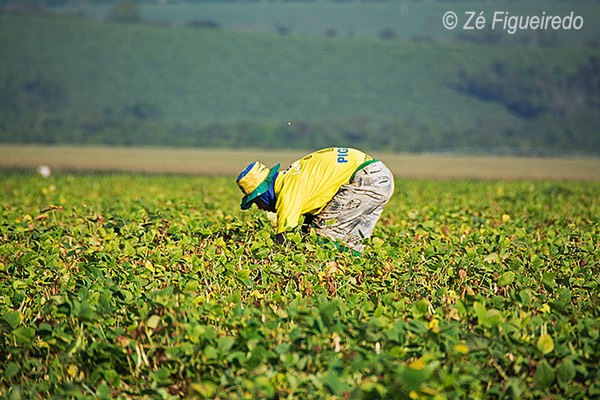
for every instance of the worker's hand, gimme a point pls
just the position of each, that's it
(280, 237)
(307, 224)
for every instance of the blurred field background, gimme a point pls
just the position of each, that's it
(408, 19)
(230, 162)
(382, 76)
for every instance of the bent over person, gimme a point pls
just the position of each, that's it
(339, 191)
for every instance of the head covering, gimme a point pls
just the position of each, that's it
(255, 180)
(268, 197)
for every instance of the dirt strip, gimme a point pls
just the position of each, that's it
(232, 161)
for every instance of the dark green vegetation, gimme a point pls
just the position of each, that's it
(68, 80)
(155, 286)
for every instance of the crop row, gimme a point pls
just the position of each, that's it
(124, 286)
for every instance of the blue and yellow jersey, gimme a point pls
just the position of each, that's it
(307, 185)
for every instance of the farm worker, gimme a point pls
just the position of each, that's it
(339, 191)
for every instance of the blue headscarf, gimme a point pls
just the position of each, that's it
(269, 196)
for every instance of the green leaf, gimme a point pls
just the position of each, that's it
(544, 375)
(162, 377)
(210, 352)
(191, 286)
(327, 309)
(103, 391)
(480, 312)
(515, 388)
(415, 374)
(236, 356)
(86, 311)
(225, 343)
(545, 344)
(376, 389)
(205, 389)
(420, 308)
(266, 389)
(24, 334)
(335, 385)
(12, 318)
(19, 284)
(525, 296)
(563, 303)
(397, 332)
(282, 348)
(244, 274)
(493, 318)
(12, 369)
(565, 372)
(492, 258)
(548, 279)
(153, 321)
(506, 278)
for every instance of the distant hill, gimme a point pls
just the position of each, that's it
(71, 80)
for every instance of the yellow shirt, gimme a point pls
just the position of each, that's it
(311, 182)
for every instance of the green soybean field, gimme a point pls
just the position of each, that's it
(145, 286)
